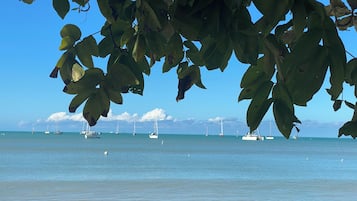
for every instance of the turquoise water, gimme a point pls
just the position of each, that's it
(175, 167)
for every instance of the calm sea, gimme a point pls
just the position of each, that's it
(65, 167)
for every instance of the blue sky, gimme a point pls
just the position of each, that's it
(30, 99)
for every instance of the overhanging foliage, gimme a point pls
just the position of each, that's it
(289, 49)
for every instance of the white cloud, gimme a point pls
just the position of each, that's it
(58, 116)
(155, 114)
(216, 119)
(63, 116)
(125, 116)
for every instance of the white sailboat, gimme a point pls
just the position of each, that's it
(155, 133)
(91, 134)
(47, 132)
(252, 136)
(221, 133)
(83, 131)
(134, 128)
(269, 137)
(117, 129)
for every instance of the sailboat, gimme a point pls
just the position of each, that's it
(91, 134)
(252, 136)
(47, 132)
(83, 131)
(155, 133)
(269, 137)
(117, 129)
(134, 129)
(221, 133)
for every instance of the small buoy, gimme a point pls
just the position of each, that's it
(162, 141)
(105, 152)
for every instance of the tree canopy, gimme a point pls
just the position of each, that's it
(290, 49)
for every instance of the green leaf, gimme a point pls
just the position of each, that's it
(273, 11)
(155, 43)
(28, 1)
(105, 47)
(106, 10)
(61, 6)
(115, 96)
(66, 43)
(255, 75)
(150, 17)
(72, 31)
(259, 105)
(284, 117)
(299, 17)
(93, 109)
(81, 2)
(351, 67)
(77, 72)
(350, 105)
(174, 53)
(85, 49)
(349, 128)
(256, 113)
(121, 76)
(337, 58)
(337, 105)
(281, 93)
(244, 37)
(305, 79)
(139, 49)
(216, 52)
(127, 36)
(193, 53)
(65, 64)
(78, 100)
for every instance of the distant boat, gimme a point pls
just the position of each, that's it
(252, 136)
(269, 137)
(155, 133)
(83, 131)
(221, 133)
(58, 132)
(134, 129)
(117, 129)
(91, 134)
(47, 132)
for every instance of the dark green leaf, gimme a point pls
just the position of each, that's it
(337, 57)
(61, 7)
(106, 10)
(174, 53)
(284, 118)
(77, 101)
(259, 105)
(350, 105)
(349, 128)
(105, 47)
(337, 105)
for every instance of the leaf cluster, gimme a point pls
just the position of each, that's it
(290, 50)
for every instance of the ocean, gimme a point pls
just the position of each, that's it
(67, 167)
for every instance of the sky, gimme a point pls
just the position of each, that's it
(31, 100)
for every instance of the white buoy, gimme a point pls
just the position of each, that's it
(106, 152)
